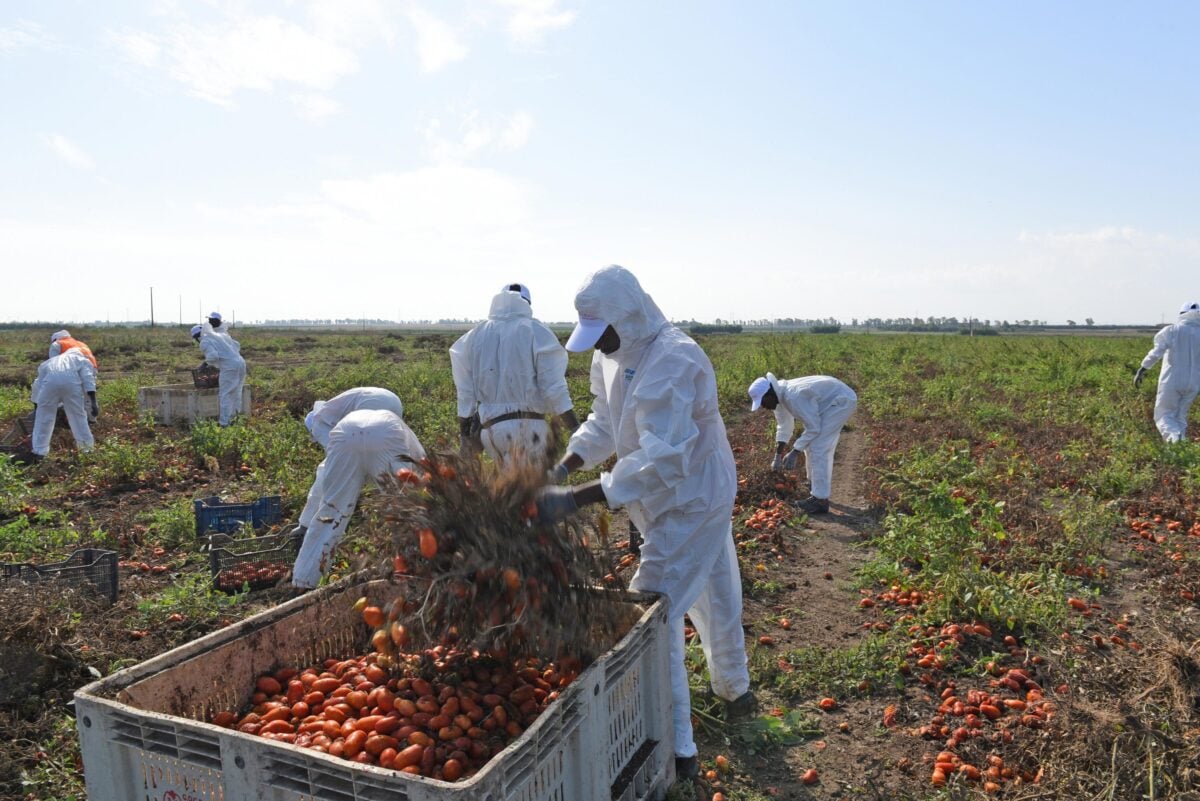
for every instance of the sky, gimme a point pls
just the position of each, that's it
(402, 159)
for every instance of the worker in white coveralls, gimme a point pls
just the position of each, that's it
(1178, 345)
(656, 407)
(320, 423)
(822, 404)
(62, 341)
(365, 445)
(223, 352)
(67, 380)
(510, 372)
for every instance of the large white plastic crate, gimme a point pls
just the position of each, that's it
(183, 403)
(607, 738)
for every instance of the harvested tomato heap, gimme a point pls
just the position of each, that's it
(441, 714)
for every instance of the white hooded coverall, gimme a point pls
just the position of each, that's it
(327, 414)
(223, 352)
(366, 445)
(1178, 346)
(656, 407)
(64, 379)
(510, 363)
(823, 404)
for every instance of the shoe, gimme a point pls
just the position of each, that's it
(687, 767)
(814, 505)
(743, 706)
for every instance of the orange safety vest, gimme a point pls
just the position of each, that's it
(66, 343)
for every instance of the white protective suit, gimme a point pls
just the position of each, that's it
(1178, 346)
(64, 379)
(656, 407)
(223, 352)
(511, 363)
(365, 446)
(326, 415)
(823, 405)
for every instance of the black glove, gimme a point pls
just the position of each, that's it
(1138, 376)
(95, 405)
(555, 504)
(789, 461)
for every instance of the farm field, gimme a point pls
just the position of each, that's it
(1001, 603)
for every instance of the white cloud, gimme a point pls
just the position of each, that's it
(24, 34)
(217, 60)
(516, 135)
(315, 107)
(437, 43)
(530, 20)
(69, 152)
(473, 136)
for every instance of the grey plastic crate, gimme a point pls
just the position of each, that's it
(607, 738)
(86, 567)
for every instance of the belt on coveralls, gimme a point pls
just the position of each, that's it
(504, 418)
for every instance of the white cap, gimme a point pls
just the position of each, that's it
(215, 316)
(586, 334)
(520, 289)
(311, 417)
(57, 335)
(196, 330)
(1190, 310)
(758, 387)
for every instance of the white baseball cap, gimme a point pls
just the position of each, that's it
(1190, 310)
(311, 417)
(57, 335)
(586, 334)
(196, 330)
(215, 316)
(758, 388)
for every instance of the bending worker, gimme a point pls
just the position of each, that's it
(64, 380)
(365, 445)
(1178, 345)
(223, 352)
(823, 404)
(656, 407)
(320, 422)
(61, 341)
(509, 373)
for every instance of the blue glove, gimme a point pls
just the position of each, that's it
(555, 504)
(789, 461)
(777, 463)
(558, 474)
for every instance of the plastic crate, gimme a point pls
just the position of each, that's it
(212, 514)
(274, 553)
(86, 567)
(206, 378)
(21, 428)
(183, 403)
(608, 736)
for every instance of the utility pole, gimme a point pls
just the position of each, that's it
(181, 311)
(151, 307)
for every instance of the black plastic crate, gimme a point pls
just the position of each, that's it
(259, 562)
(206, 378)
(86, 567)
(214, 515)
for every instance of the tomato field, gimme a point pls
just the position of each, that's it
(1001, 603)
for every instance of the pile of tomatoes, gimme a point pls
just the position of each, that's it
(442, 722)
(262, 573)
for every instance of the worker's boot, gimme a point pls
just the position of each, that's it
(744, 706)
(814, 505)
(686, 767)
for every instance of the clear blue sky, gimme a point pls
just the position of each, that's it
(745, 160)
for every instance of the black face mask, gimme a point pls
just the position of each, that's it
(770, 400)
(608, 343)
